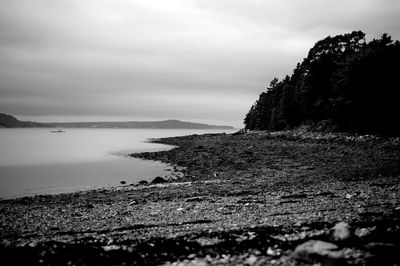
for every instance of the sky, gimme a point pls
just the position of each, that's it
(194, 60)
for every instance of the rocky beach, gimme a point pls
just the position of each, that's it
(257, 198)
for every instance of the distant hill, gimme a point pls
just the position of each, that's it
(9, 121)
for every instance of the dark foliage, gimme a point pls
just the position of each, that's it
(345, 83)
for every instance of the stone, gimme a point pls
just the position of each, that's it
(363, 232)
(316, 251)
(111, 247)
(272, 252)
(134, 202)
(341, 231)
(251, 260)
(143, 182)
(158, 180)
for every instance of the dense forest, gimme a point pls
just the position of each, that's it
(344, 84)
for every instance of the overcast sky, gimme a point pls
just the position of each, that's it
(195, 60)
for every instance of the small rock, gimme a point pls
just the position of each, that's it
(143, 182)
(32, 244)
(341, 231)
(111, 247)
(158, 180)
(363, 232)
(192, 256)
(316, 250)
(271, 252)
(134, 202)
(251, 260)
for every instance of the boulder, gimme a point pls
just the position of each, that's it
(158, 180)
(341, 232)
(318, 251)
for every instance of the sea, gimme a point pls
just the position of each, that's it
(35, 161)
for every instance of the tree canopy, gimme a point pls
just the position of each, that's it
(344, 83)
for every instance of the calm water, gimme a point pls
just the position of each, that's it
(36, 161)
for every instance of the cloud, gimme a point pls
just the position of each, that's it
(188, 59)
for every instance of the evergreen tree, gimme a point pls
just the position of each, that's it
(344, 80)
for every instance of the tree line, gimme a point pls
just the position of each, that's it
(344, 84)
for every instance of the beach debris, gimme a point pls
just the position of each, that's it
(341, 231)
(158, 180)
(317, 250)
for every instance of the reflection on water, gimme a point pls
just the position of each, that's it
(67, 177)
(36, 161)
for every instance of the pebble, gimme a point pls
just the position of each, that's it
(111, 247)
(251, 260)
(271, 252)
(363, 232)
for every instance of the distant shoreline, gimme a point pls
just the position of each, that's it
(9, 121)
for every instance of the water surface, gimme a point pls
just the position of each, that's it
(37, 161)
